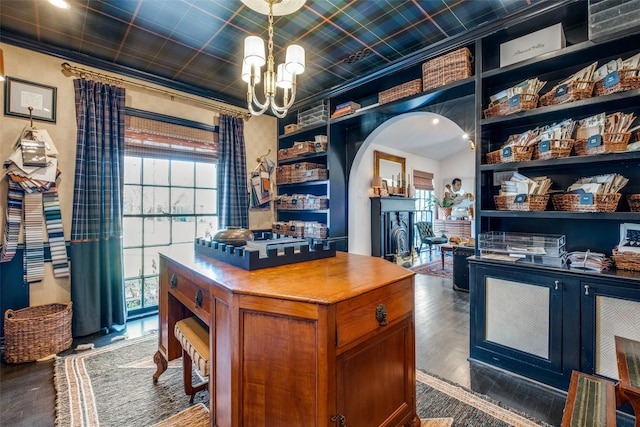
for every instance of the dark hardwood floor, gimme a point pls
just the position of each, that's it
(27, 395)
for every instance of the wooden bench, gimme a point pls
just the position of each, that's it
(591, 402)
(628, 388)
(193, 336)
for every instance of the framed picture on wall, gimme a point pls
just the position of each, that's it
(21, 94)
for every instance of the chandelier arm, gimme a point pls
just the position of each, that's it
(261, 107)
(269, 82)
(284, 108)
(280, 115)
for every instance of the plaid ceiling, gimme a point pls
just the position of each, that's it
(199, 43)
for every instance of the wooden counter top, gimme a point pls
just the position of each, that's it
(323, 281)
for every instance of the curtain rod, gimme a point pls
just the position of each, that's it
(81, 72)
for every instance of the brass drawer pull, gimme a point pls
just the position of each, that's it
(340, 418)
(198, 298)
(173, 281)
(381, 315)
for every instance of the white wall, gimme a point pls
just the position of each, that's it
(362, 172)
(461, 165)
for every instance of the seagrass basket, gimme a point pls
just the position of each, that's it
(611, 143)
(634, 202)
(36, 332)
(519, 153)
(527, 101)
(626, 260)
(532, 203)
(571, 202)
(446, 69)
(556, 149)
(400, 91)
(627, 81)
(572, 91)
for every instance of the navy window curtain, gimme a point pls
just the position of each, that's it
(97, 277)
(234, 196)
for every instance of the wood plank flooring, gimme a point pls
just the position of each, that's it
(27, 395)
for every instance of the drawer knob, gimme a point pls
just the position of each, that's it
(381, 315)
(341, 419)
(198, 299)
(173, 281)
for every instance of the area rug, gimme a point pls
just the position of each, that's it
(112, 386)
(434, 268)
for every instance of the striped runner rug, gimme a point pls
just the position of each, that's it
(112, 386)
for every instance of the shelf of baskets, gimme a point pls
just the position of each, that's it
(598, 219)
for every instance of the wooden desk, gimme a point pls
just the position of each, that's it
(307, 344)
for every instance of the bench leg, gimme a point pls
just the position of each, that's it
(187, 376)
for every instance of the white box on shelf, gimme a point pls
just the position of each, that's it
(531, 45)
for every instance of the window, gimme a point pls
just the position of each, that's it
(423, 182)
(170, 197)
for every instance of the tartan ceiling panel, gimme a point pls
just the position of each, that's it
(197, 45)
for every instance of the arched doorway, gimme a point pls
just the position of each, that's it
(427, 140)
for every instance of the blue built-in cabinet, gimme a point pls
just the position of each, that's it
(537, 321)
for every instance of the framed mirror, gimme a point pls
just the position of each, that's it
(391, 169)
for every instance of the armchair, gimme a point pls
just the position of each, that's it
(427, 237)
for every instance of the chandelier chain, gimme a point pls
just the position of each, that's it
(270, 46)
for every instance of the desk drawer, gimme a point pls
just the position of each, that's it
(357, 317)
(193, 295)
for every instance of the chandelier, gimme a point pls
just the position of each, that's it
(254, 59)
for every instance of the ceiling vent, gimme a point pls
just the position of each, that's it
(358, 56)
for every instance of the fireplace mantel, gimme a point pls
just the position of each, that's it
(391, 225)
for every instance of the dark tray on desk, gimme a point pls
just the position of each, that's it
(250, 259)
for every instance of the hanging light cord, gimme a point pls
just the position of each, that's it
(82, 73)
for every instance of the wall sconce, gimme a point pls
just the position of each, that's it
(472, 145)
(376, 183)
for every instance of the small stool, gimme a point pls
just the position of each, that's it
(193, 336)
(591, 402)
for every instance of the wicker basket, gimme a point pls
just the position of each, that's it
(400, 91)
(293, 127)
(291, 228)
(626, 82)
(611, 143)
(572, 91)
(36, 332)
(626, 260)
(634, 202)
(571, 203)
(533, 203)
(557, 148)
(446, 69)
(519, 153)
(528, 101)
(493, 157)
(316, 230)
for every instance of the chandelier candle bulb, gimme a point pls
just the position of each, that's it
(254, 56)
(295, 59)
(284, 78)
(254, 51)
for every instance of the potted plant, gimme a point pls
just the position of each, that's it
(444, 206)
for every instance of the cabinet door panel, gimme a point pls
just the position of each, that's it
(279, 370)
(376, 381)
(518, 316)
(525, 320)
(607, 311)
